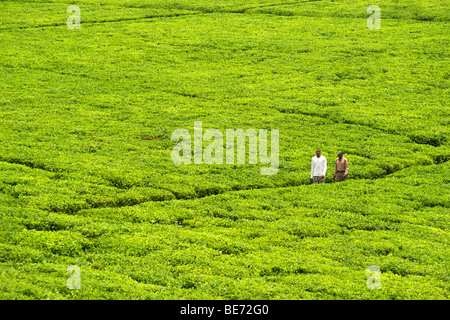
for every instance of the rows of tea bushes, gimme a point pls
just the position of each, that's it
(87, 179)
(129, 181)
(312, 241)
(100, 103)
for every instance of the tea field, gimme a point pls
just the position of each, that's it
(87, 178)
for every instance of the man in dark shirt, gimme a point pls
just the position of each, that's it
(341, 170)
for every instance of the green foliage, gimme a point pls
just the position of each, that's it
(310, 242)
(86, 176)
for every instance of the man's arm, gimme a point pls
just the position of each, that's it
(335, 167)
(346, 166)
(312, 168)
(324, 167)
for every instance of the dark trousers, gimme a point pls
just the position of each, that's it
(341, 176)
(317, 179)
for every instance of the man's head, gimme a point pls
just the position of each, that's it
(340, 154)
(318, 153)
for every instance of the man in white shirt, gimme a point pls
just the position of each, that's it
(318, 168)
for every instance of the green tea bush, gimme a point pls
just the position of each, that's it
(86, 176)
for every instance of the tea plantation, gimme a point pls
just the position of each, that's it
(87, 178)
